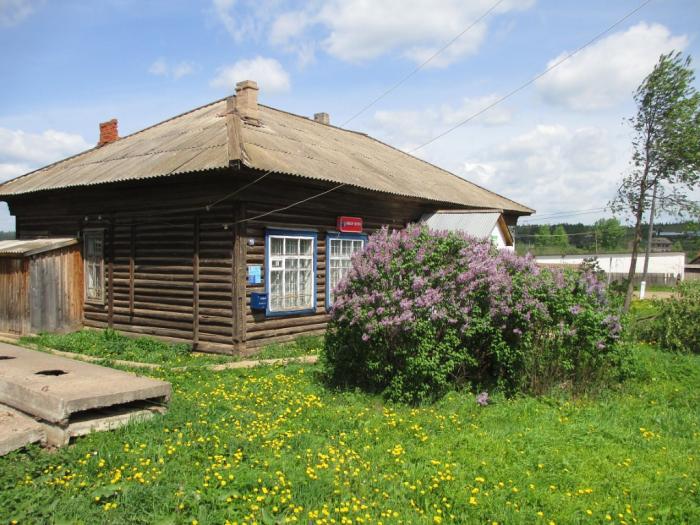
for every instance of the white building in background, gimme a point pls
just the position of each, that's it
(482, 224)
(664, 267)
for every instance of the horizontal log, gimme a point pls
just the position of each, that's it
(255, 345)
(274, 323)
(285, 331)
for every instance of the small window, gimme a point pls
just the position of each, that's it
(291, 272)
(340, 249)
(93, 253)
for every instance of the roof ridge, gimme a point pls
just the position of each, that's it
(307, 119)
(107, 145)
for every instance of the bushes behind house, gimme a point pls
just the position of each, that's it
(422, 312)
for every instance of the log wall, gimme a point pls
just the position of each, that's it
(177, 271)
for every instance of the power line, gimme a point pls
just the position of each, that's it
(565, 214)
(533, 79)
(473, 116)
(373, 102)
(508, 95)
(291, 205)
(591, 232)
(421, 66)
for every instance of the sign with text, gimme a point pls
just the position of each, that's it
(349, 224)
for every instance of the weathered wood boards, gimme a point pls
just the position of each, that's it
(41, 293)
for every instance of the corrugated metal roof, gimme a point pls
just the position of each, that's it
(15, 248)
(281, 143)
(479, 225)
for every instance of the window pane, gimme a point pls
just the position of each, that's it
(291, 273)
(306, 246)
(291, 246)
(339, 262)
(276, 246)
(94, 276)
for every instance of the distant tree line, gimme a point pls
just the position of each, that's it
(6, 235)
(604, 236)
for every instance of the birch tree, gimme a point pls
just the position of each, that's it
(666, 143)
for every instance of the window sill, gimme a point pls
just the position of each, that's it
(286, 313)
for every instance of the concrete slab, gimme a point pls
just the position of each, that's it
(54, 388)
(100, 420)
(18, 430)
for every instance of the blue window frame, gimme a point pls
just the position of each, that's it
(339, 250)
(290, 272)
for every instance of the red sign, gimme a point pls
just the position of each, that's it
(349, 224)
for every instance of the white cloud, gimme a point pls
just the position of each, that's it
(36, 149)
(407, 129)
(245, 18)
(359, 30)
(551, 167)
(608, 71)
(12, 12)
(10, 171)
(267, 72)
(161, 68)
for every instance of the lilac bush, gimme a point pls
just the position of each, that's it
(423, 311)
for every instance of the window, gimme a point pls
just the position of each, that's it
(340, 248)
(291, 272)
(93, 252)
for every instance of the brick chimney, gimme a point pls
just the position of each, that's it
(322, 118)
(247, 99)
(108, 132)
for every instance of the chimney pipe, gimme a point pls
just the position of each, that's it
(247, 99)
(108, 132)
(322, 118)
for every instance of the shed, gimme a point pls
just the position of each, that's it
(482, 224)
(41, 285)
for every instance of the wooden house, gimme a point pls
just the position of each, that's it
(227, 226)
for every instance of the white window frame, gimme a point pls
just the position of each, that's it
(330, 239)
(281, 263)
(97, 260)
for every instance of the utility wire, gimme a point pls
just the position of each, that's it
(535, 78)
(483, 110)
(422, 65)
(373, 102)
(473, 116)
(563, 215)
(592, 232)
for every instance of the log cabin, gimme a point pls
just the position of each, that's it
(226, 227)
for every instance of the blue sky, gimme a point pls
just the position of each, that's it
(559, 145)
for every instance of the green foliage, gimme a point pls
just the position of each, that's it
(559, 237)
(609, 233)
(422, 313)
(666, 157)
(543, 236)
(273, 445)
(677, 326)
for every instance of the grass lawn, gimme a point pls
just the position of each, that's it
(111, 345)
(273, 445)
